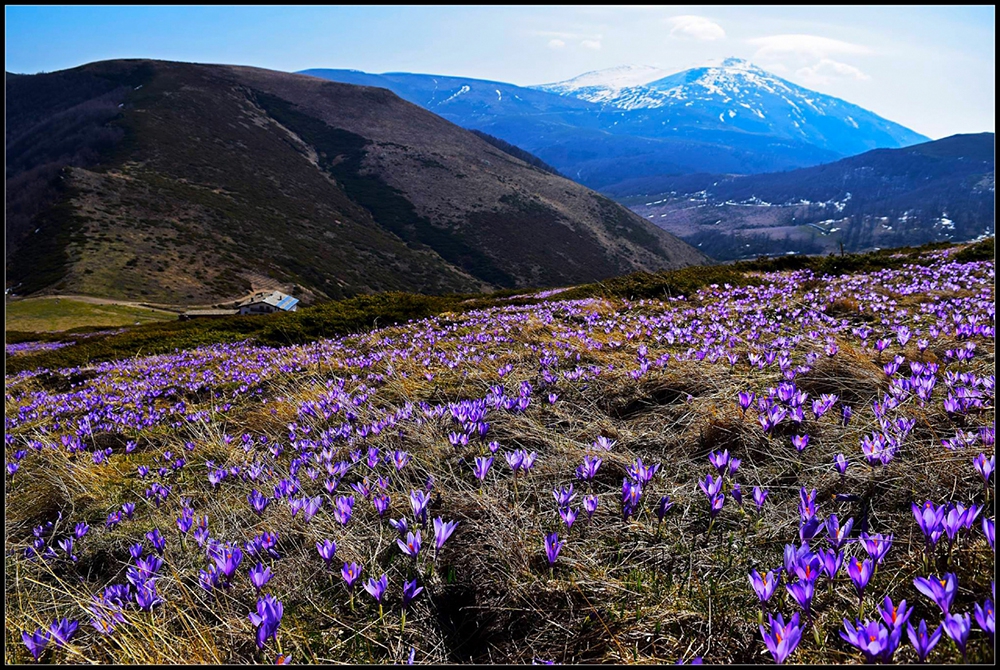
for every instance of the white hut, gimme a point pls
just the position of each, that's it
(266, 302)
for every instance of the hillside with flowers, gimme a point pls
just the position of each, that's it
(795, 464)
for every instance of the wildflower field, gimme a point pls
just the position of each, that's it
(797, 467)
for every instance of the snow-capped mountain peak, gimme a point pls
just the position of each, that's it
(730, 95)
(599, 85)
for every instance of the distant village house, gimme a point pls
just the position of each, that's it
(262, 302)
(266, 302)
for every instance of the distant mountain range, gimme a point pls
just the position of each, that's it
(610, 127)
(936, 191)
(187, 183)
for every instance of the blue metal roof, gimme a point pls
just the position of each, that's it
(287, 302)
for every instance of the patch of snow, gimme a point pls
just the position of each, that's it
(499, 96)
(851, 121)
(612, 79)
(464, 89)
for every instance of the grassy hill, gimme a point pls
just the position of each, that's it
(178, 183)
(143, 491)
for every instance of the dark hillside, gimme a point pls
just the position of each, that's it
(936, 191)
(192, 183)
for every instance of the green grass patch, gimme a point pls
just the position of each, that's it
(61, 314)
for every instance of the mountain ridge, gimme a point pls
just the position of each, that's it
(938, 191)
(603, 137)
(340, 189)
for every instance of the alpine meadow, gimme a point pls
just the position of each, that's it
(514, 353)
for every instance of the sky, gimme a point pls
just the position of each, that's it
(930, 68)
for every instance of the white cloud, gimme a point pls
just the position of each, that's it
(696, 27)
(556, 44)
(591, 44)
(828, 69)
(778, 47)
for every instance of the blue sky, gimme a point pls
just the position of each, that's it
(929, 68)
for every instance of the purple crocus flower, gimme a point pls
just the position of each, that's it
(921, 641)
(588, 469)
(590, 506)
(400, 526)
(419, 501)
(746, 399)
(552, 547)
(988, 531)
(568, 515)
(986, 618)
(840, 463)
(715, 504)
(185, 521)
(227, 558)
(830, 562)
(377, 588)
(442, 531)
(157, 540)
(719, 460)
(860, 573)
(149, 566)
(958, 626)
(128, 509)
(35, 642)
(800, 442)
(146, 596)
(929, 517)
(260, 575)
(895, 615)
(563, 496)
(940, 590)
(67, 546)
(482, 466)
(984, 466)
(802, 591)
(81, 529)
(62, 630)
(764, 586)
(876, 545)
(412, 545)
(875, 641)
(631, 495)
(759, 496)
(327, 548)
(662, 507)
(604, 443)
(258, 501)
(350, 572)
(381, 503)
(410, 591)
(709, 486)
(837, 535)
(266, 619)
(344, 507)
(954, 520)
(781, 638)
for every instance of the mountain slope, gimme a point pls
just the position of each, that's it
(736, 95)
(607, 128)
(213, 175)
(936, 191)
